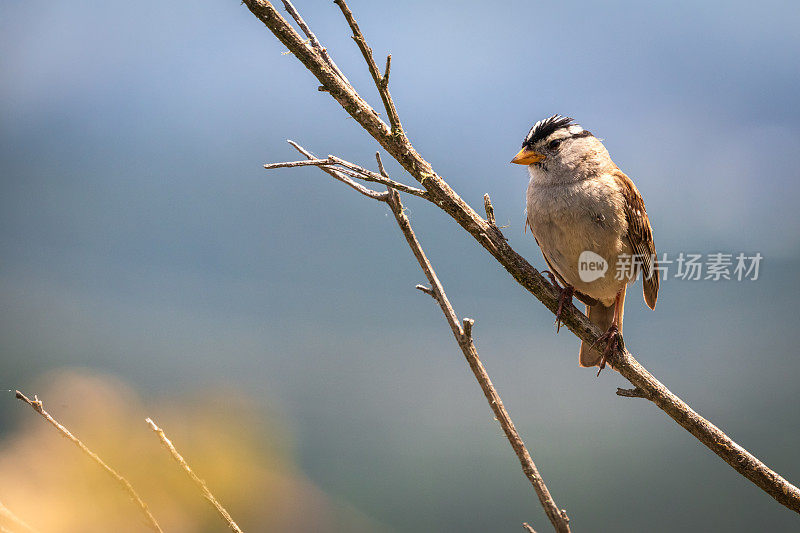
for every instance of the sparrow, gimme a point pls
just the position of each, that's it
(591, 225)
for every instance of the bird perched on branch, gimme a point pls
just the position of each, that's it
(590, 222)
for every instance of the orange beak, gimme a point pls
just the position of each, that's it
(527, 156)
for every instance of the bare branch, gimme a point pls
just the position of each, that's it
(381, 82)
(313, 40)
(199, 482)
(6, 513)
(37, 406)
(464, 338)
(520, 269)
(528, 528)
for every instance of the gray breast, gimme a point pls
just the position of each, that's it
(569, 219)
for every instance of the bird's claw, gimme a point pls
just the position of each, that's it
(613, 343)
(564, 299)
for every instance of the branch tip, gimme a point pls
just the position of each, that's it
(487, 204)
(426, 290)
(633, 393)
(385, 77)
(381, 168)
(467, 325)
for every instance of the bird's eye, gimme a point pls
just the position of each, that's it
(554, 144)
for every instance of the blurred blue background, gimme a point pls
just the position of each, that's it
(140, 237)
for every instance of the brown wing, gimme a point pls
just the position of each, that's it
(640, 236)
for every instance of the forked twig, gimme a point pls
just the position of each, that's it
(381, 82)
(37, 406)
(199, 482)
(369, 193)
(349, 169)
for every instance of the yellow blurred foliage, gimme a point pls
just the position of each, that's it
(243, 455)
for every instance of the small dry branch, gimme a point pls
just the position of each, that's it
(381, 82)
(199, 482)
(37, 406)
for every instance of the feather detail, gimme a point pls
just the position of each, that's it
(640, 236)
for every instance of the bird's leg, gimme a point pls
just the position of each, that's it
(564, 297)
(612, 338)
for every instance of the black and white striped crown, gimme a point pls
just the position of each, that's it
(543, 128)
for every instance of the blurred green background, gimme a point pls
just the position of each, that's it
(150, 267)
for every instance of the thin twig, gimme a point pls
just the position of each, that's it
(6, 513)
(381, 82)
(291, 164)
(463, 336)
(313, 40)
(368, 175)
(199, 482)
(399, 147)
(528, 528)
(37, 406)
(375, 195)
(381, 168)
(350, 169)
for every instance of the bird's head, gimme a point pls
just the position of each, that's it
(557, 143)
